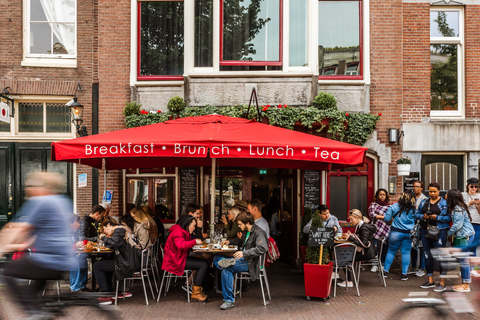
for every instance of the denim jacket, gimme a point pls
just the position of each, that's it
(461, 226)
(443, 220)
(403, 221)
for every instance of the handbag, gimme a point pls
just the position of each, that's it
(460, 241)
(433, 233)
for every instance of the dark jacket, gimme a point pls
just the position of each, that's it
(256, 246)
(365, 234)
(127, 260)
(232, 231)
(88, 230)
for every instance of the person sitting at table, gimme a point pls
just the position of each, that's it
(255, 207)
(144, 218)
(231, 216)
(106, 213)
(362, 238)
(139, 230)
(88, 225)
(195, 211)
(329, 220)
(156, 219)
(176, 258)
(79, 272)
(252, 246)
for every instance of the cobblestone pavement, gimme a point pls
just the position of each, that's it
(288, 301)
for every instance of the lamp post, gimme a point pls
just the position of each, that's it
(77, 115)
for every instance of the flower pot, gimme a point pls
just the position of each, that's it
(403, 169)
(318, 280)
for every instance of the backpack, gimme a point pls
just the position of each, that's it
(128, 259)
(273, 252)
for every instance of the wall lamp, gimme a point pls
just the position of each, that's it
(77, 114)
(394, 135)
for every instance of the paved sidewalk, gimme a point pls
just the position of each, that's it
(288, 301)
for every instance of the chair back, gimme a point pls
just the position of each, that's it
(344, 254)
(145, 257)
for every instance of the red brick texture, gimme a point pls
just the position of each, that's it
(472, 61)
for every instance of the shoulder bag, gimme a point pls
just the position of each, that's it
(433, 233)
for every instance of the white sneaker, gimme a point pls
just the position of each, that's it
(374, 269)
(335, 276)
(419, 273)
(474, 273)
(343, 284)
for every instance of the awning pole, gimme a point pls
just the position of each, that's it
(105, 181)
(212, 193)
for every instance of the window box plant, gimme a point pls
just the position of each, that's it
(403, 166)
(317, 276)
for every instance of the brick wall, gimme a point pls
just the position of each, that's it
(472, 61)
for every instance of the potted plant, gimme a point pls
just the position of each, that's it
(317, 271)
(403, 166)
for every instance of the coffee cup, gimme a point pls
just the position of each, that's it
(207, 241)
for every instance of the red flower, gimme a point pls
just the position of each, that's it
(284, 105)
(280, 106)
(265, 109)
(268, 106)
(346, 114)
(380, 114)
(143, 112)
(159, 111)
(85, 242)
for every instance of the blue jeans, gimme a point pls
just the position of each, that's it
(429, 244)
(415, 254)
(465, 265)
(228, 276)
(79, 273)
(399, 240)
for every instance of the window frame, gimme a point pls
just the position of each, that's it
(46, 60)
(460, 42)
(139, 46)
(360, 76)
(253, 63)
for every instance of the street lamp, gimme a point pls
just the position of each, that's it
(77, 115)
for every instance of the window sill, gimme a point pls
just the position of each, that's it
(49, 63)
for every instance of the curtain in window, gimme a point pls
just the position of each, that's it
(58, 12)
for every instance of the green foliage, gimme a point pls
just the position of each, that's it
(354, 128)
(131, 108)
(313, 253)
(307, 215)
(360, 126)
(404, 160)
(176, 105)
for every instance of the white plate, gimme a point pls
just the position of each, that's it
(199, 247)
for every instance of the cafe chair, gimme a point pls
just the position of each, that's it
(167, 276)
(377, 261)
(262, 276)
(139, 275)
(153, 265)
(345, 259)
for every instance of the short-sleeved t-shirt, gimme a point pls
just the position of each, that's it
(50, 218)
(472, 209)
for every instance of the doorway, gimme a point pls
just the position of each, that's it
(446, 170)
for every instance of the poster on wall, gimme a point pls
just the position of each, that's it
(188, 186)
(409, 180)
(107, 196)
(82, 180)
(312, 181)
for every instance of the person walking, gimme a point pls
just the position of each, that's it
(402, 215)
(417, 255)
(472, 200)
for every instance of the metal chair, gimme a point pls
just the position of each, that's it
(377, 261)
(168, 276)
(153, 265)
(246, 276)
(345, 259)
(139, 275)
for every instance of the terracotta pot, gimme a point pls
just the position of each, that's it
(318, 280)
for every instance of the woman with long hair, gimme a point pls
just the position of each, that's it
(176, 258)
(402, 215)
(231, 216)
(144, 218)
(472, 200)
(433, 212)
(462, 232)
(376, 212)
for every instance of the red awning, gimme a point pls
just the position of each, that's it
(193, 141)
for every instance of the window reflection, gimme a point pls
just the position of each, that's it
(339, 38)
(203, 33)
(137, 193)
(444, 77)
(164, 198)
(298, 33)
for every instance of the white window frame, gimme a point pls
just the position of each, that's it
(460, 42)
(45, 60)
(189, 48)
(15, 134)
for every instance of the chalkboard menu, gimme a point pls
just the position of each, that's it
(409, 180)
(188, 186)
(319, 236)
(311, 193)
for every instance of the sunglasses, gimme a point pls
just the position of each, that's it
(476, 187)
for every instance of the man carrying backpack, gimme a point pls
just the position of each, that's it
(127, 259)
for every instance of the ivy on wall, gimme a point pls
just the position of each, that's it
(322, 115)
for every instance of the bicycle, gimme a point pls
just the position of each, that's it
(76, 305)
(419, 306)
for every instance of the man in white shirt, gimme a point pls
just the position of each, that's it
(329, 221)
(255, 209)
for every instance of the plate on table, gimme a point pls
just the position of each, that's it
(200, 247)
(340, 239)
(229, 247)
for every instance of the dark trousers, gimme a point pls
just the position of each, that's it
(200, 265)
(429, 244)
(104, 270)
(25, 294)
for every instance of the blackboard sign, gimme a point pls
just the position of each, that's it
(188, 186)
(319, 236)
(311, 192)
(409, 180)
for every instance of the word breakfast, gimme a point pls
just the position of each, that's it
(178, 149)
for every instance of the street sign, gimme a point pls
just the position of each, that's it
(4, 112)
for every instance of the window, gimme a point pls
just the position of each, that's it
(340, 39)
(298, 33)
(203, 33)
(43, 117)
(446, 62)
(161, 40)
(251, 33)
(50, 29)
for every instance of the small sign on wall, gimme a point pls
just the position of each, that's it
(82, 180)
(4, 112)
(409, 180)
(107, 196)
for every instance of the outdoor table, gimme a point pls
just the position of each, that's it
(215, 271)
(92, 255)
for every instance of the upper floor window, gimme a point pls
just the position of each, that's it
(340, 39)
(50, 29)
(446, 62)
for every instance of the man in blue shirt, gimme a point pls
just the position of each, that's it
(46, 230)
(329, 221)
